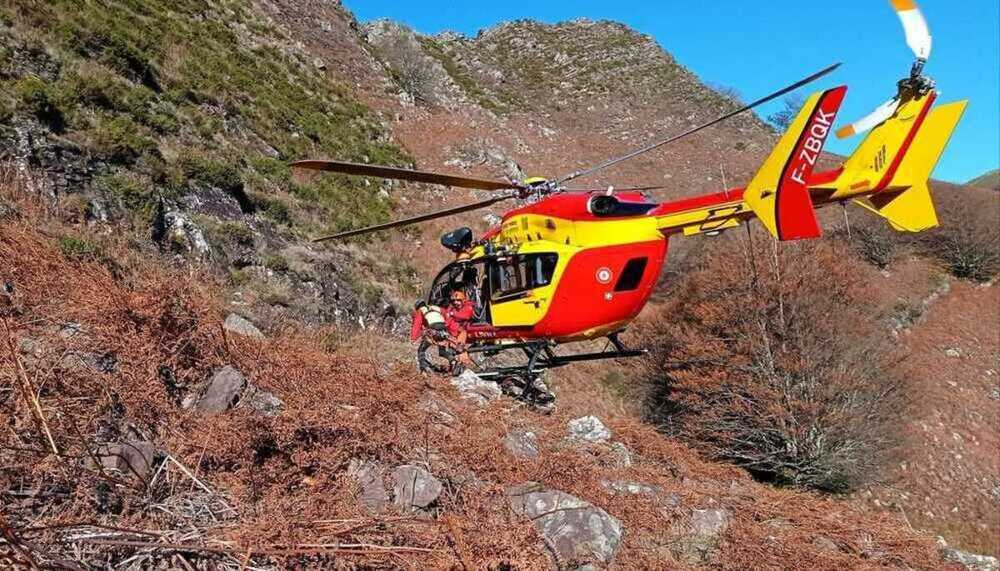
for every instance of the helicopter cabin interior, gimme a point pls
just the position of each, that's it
(492, 281)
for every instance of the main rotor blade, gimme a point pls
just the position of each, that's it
(693, 130)
(617, 189)
(404, 174)
(417, 219)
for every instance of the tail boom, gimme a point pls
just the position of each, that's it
(887, 174)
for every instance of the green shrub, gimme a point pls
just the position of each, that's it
(220, 174)
(349, 206)
(78, 249)
(121, 140)
(240, 234)
(274, 209)
(128, 191)
(38, 97)
(276, 263)
(6, 110)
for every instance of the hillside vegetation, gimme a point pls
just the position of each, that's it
(123, 454)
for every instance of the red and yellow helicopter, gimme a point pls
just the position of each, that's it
(570, 266)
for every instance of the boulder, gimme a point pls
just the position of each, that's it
(415, 489)
(698, 537)
(437, 410)
(629, 488)
(589, 429)
(521, 443)
(576, 532)
(264, 402)
(825, 544)
(131, 457)
(374, 499)
(223, 391)
(241, 326)
(969, 561)
(621, 455)
(472, 387)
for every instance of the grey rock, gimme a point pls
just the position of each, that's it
(241, 326)
(971, 561)
(223, 391)
(374, 498)
(621, 455)
(953, 353)
(264, 402)
(472, 387)
(437, 410)
(589, 429)
(71, 330)
(665, 503)
(575, 531)
(132, 457)
(630, 488)
(700, 535)
(824, 543)
(32, 347)
(415, 489)
(521, 443)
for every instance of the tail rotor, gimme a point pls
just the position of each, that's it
(918, 38)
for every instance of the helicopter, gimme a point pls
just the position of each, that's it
(577, 265)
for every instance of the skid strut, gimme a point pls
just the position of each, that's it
(541, 356)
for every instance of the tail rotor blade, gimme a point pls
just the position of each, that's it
(404, 174)
(417, 219)
(918, 35)
(881, 113)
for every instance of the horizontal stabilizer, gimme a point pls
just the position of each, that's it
(906, 202)
(778, 193)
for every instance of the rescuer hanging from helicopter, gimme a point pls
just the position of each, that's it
(445, 328)
(458, 315)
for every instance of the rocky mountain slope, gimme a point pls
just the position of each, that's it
(145, 429)
(145, 182)
(988, 180)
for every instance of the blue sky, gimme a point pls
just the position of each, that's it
(757, 47)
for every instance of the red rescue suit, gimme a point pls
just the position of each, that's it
(457, 318)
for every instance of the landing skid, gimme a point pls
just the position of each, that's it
(523, 381)
(518, 367)
(541, 356)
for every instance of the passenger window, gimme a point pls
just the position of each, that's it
(521, 273)
(632, 274)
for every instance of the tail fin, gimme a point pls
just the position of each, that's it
(778, 193)
(902, 196)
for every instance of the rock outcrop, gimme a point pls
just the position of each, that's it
(415, 489)
(472, 387)
(575, 531)
(589, 429)
(223, 391)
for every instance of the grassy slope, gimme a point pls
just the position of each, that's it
(170, 92)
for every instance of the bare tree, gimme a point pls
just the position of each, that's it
(783, 119)
(769, 359)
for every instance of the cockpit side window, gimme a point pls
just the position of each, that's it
(518, 274)
(466, 276)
